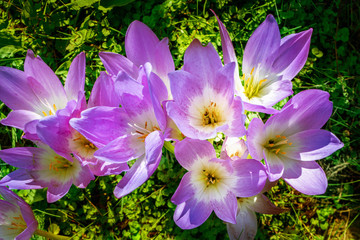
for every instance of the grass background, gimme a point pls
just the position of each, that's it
(59, 30)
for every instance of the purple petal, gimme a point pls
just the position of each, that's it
(184, 191)
(103, 92)
(292, 54)
(251, 177)
(55, 131)
(75, 80)
(312, 145)
(30, 130)
(191, 214)
(158, 93)
(45, 77)
(101, 125)
(306, 177)
(203, 62)
(258, 108)
(114, 63)
(263, 205)
(226, 209)
(262, 43)
(14, 90)
(121, 150)
(223, 83)
(144, 167)
(237, 123)
(84, 177)
(274, 165)
(227, 47)
(20, 179)
(125, 84)
(19, 118)
(162, 61)
(255, 135)
(21, 157)
(57, 190)
(185, 86)
(189, 150)
(140, 43)
(309, 109)
(245, 227)
(102, 168)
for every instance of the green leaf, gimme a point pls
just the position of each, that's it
(54, 228)
(114, 3)
(343, 34)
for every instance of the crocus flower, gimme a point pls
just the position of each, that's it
(212, 184)
(56, 131)
(141, 46)
(246, 223)
(37, 92)
(17, 220)
(269, 64)
(234, 147)
(41, 167)
(134, 131)
(203, 92)
(291, 140)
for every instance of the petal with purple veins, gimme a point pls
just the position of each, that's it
(306, 177)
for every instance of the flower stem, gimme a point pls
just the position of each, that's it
(50, 235)
(169, 147)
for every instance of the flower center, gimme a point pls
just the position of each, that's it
(210, 177)
(251, 85)
(51, 110)
(82, 146)
(211, 115)
(277, 144)
(143, 132)
(18, 223)
(60, 163)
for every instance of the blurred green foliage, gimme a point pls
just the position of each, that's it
(59, 30)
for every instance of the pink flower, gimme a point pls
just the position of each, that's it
(17, 220)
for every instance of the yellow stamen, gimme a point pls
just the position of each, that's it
(54, 107)
(252, 70)
(261, 81)
(44, 113)
(277, 151)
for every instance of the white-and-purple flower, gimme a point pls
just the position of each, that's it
(141, 46)
(134, 131)
(41, 167)
(17, 220)
(212, 184)
(269, 64)
(37, 92)
(291, 140)
(246, 222)
(203, 92)
(56, 131)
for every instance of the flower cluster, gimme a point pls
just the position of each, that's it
(141, 104)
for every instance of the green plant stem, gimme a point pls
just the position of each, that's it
(50, 235)
(169, 147)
